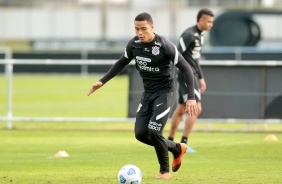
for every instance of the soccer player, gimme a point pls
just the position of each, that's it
(189, 46)
(155, 57)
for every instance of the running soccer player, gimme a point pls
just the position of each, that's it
(190, 44)
(154, 59)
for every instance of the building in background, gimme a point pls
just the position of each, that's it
(96, 25)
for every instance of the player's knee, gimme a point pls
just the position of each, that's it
(153, 133)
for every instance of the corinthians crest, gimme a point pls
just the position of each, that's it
(155, 50)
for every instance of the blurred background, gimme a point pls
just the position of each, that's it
(241, 57)
(105, 25)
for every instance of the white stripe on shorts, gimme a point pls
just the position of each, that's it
(163, 114)
(197, 94)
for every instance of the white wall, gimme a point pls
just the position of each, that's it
(270, 25)
(86, 23)
(50, 24)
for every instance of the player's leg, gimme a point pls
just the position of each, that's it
(175, 120)
(161, 108)
(180, 108)
(190, 120)
(161, 105)
(143, 116)
(189, 123)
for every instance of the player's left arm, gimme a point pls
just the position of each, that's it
(203, 85)
(198, 69)
(186, 40)
(201, 75)
(184, 67)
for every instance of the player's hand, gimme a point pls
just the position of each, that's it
(203, 85)
(94, 87)
(191, 107)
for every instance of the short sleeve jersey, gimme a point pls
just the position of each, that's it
(154, 61)
(190, 45)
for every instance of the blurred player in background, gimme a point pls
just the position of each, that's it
(155, 56)
(190, 44)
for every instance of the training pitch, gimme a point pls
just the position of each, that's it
(96, 154)
(98, 150)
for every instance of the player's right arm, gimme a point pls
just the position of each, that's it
(114, 70)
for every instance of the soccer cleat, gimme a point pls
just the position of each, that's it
(177, 161)
(190, 150)
(165, 176)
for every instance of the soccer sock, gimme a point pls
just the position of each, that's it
(178, 149)
(184, 139)
(170, 138)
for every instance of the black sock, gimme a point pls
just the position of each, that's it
(184, 139)
(170, 138)
(179, 150)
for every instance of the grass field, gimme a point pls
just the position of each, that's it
(98, 150)
(65, 96)
(27, 156)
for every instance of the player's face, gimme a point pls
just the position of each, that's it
(144, 31)
(206, 23)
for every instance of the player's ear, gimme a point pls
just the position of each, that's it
(152, 26)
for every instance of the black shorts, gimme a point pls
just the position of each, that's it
(182, 89)
(154, 110)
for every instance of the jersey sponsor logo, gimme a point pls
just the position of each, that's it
(202, 39)
(196, 52)
(155, 126)
(143, 59)
(142, 64)
(197, 43)
(155, 50)
(199, 40)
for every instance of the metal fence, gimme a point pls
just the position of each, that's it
(9, 63)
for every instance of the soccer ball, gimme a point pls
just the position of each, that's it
(129, 174)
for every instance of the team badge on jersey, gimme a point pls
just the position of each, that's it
(155, 50)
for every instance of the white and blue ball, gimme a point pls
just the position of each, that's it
(129, 174)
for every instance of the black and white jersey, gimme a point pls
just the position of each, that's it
(190, 45)
(154, 62)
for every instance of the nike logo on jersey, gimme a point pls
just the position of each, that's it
(146, 49)
(159, 104)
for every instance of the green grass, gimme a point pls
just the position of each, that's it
(64, 96)
(98, 150)
(27, 156)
